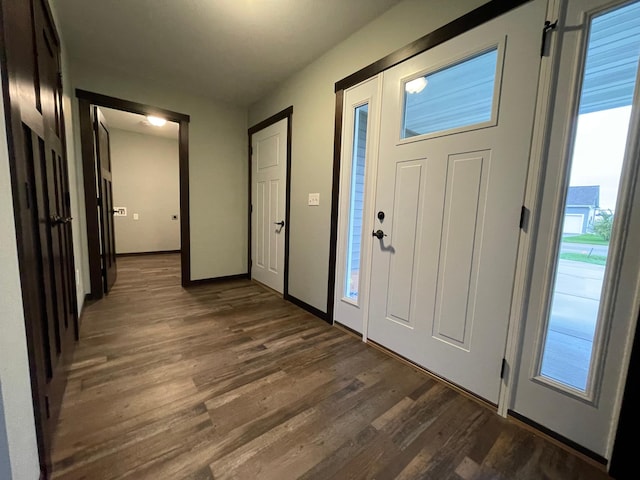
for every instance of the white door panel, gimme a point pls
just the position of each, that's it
(407, 225)
(462, 230)
(452, 191)
(268, 173)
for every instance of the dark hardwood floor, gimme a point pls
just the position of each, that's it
(230, 381)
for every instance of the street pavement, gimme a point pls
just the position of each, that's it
(573, 320)
(601, 250)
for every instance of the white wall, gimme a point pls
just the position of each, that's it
(146, 180)
(311, 92)
(15, 388)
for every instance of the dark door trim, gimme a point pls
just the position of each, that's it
(468, 21)
(474, 18)
(287, 113)
(85, 100)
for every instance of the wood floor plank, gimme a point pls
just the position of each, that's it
(228, 380)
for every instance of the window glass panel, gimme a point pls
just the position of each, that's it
(457, 96)
(354, 233)
(609, 80)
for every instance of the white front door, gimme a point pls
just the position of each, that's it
(268, 197)
(454, 150)
(583, 299)
(360, 124)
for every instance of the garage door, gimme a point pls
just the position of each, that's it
(573, 223)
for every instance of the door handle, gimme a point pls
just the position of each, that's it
(379, 234)
(281, 223)
(56, 219)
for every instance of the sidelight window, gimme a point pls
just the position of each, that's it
(577, 321)
(354, 233)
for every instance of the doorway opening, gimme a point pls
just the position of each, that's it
(99, 207)
(146, 187)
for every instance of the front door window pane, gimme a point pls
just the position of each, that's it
(457, 96)
(356, 207)
(608, 85)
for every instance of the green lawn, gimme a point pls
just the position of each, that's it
(581, 257)
(586, 238)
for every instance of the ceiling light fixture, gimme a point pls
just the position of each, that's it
(156, 121)
(416, 85)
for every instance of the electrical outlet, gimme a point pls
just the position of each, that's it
(314, 199)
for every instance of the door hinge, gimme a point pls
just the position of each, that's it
(250, 208)
(524, 218)
(251, 150)
(548, 26)
(47, 410)
(99, 199)
(60, 80)
(503, 368)
(104, 272)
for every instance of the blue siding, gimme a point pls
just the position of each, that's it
(612, 60)
(456, 96)
(357, 201)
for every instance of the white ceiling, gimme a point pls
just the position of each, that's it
(232, 50)
(133, 122)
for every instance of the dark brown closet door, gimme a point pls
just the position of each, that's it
(41, 200)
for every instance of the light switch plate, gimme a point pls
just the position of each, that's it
(314, 199)
(136, 216)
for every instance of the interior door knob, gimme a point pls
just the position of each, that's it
(281, 223)
(379, 234)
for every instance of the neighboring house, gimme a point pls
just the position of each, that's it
(582, 204)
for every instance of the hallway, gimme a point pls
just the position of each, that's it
(229, 381)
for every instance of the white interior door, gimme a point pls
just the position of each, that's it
(583, 305)
(268, 197)
(360, 125)
(454, 150)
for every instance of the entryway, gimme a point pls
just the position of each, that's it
(458, 245)
(455, 132)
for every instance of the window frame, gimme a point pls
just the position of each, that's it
(448, 63)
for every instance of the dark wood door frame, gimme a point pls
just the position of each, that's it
(287, 114)
(86, 100)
